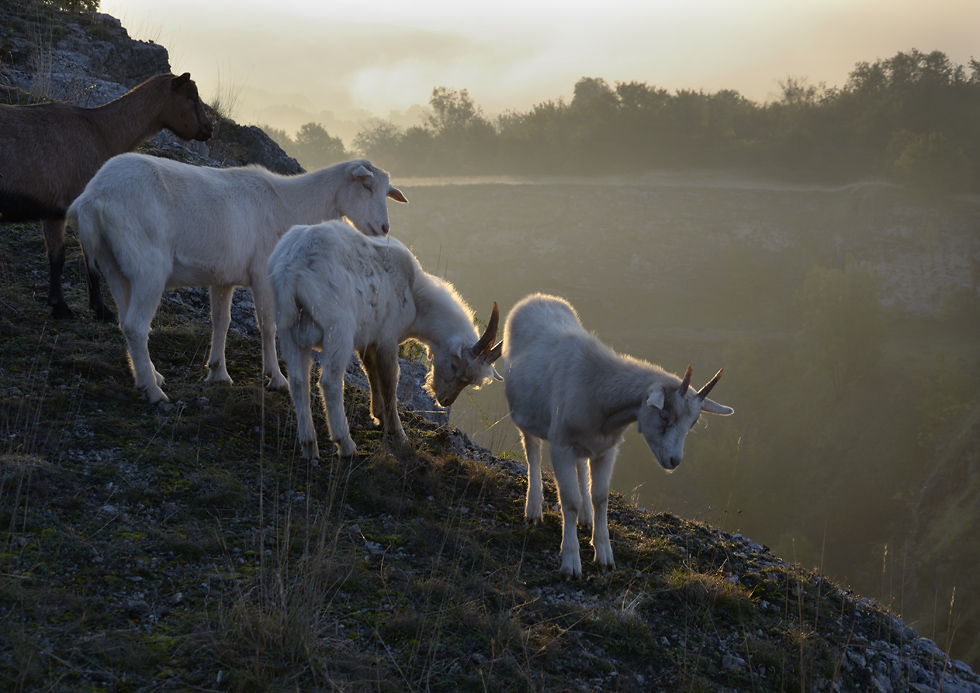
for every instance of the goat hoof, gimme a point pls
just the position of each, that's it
(278, 383)
(347, 448)
(217, 378)
(61, 311)
(156, 396)
(311, 451)
(400, 442)
(532, 521)
(103, 314)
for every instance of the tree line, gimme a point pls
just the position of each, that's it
(910, 118)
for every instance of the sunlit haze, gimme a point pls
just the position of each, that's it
(294, 61)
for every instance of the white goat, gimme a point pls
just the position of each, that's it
(151, 224)
(340, 291)
(565, 386)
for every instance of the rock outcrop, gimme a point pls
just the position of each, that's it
(91, 60)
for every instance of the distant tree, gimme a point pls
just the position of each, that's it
(796, 91)
(379, 141)
(930, 162)
(593, 91)
(536, 141)
(315, 148)
(465, 141)
(637, 97)
(417, 153)
(592, 117)
(280, 137)
(452, 110)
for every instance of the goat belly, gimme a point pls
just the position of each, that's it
(188, 272)
(15, 207)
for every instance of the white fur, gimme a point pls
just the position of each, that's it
(339, 291)
(150, 224)
(565, 386)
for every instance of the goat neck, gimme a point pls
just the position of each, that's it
(623, 389)
(121, 128)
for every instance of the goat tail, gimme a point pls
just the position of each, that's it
(295, 295)
(71, 220)
(79, 218)
(287, 304)
(87, 216)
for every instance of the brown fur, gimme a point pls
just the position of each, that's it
(50, 151)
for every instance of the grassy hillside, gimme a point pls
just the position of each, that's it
(191, 548)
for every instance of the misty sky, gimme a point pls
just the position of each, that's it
(290, 61)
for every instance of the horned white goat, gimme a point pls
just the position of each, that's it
(151, 224)
(565, 386)
(339, 291)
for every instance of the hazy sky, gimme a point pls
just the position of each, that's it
(289, 61)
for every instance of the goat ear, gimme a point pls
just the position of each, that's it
(656, 398)
(361, 173)
(713, 407)
(396, 195)
(178, 82)
(496, 376)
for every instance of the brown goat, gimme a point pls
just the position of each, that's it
(49, 152)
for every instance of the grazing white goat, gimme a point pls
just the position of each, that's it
(565, 386)
(340, 291)
(51, 150)
(151, 224)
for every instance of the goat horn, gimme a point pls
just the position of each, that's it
(495, 353)
(703, 392)
(686, 382)
(486, 341)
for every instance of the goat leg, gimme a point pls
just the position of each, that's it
(54, 241)
(95, 300)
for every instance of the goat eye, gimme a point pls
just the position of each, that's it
(663, 415)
